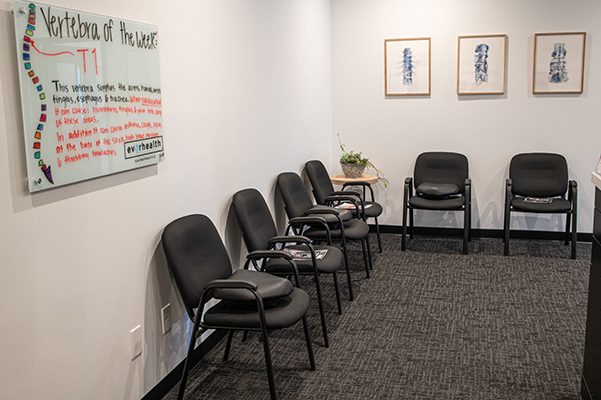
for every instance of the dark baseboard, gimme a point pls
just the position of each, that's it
(484, 233)
(173, 378)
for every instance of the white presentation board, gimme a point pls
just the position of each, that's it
(90, 93)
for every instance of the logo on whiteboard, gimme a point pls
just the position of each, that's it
(143, 147)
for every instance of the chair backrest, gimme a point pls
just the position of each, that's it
(441, 167)
(195, 255)
(539, 174)
(320, 180)
(254, 218)
(294, 193)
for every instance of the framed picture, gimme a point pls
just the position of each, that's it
(407, 66)
(558, 62)
(481, 62)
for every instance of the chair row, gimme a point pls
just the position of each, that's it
(262, 298)
(537, 183)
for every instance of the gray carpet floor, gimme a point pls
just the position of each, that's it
(430, 323)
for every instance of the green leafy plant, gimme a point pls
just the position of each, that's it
(350, 157)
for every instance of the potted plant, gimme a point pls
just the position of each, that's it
(353, 164)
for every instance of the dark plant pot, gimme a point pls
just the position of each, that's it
(352, 170)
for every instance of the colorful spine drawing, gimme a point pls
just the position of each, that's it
(407, 67)
(481, 63)
(27, 45)
(558, 72)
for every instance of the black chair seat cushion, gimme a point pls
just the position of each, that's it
(330, 263)
(279, 313)
(437, 190)
(345, 215)
(557, 205)
(354, 230)
(268, 286)
(452, 203)
(375, 210)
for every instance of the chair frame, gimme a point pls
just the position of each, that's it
(344, 192)
(275, 241)
(299, 226)
(303, 240)
(366, 185)
(200, 326)
(466, 209)
(571, 216)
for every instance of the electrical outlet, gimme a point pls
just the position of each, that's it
(135, 339)
(166, 318)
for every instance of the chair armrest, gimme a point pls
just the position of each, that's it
(356, 202)
(407, 190)
(573, 191)
(297, 239)
(333, 199)
(289, 239)
(357, 183)
(468, 190)
(326, 210)
(330, 210)
(303, 240)
(308, 220)
(311, 221)
(230, 284)
(345, 193)
(364, 185)
(263, 254)
(508, 188)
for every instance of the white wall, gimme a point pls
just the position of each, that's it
(488, 129)
(81, 265)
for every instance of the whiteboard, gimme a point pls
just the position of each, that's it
(90, 94)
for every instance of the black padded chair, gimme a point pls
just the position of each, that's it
(538, 183)
(259, 233)
(441, 181)
(249, 300)
(323, 191)
(342, 226)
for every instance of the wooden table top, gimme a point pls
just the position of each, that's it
(340, 179)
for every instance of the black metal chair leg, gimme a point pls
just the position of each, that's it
(228, 345)
(574, 235)
(404, 232)
(506, 234)
(268, 364)
(348, 270)
(335, 276)
(378, 234)
(371, 265)
(321, 312)
(470, 224)
(465, 232)
(568, 223)
(411, 232)
(365, 258)
(309, 346)
(193, 337)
